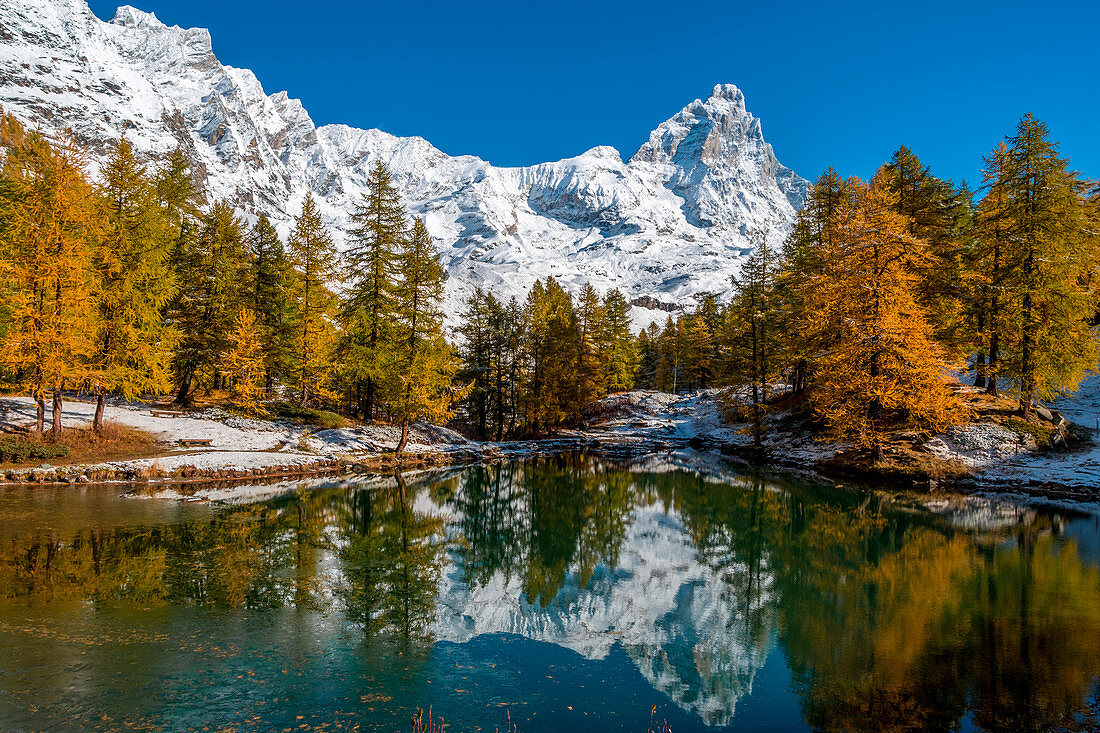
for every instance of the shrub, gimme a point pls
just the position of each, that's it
(1044, 436)
(21, 450)
(320, 418)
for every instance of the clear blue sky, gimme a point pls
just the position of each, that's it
(834, 83)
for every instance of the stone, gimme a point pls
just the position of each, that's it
(1044, 413)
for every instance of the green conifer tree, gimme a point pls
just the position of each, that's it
(1050, 251)
(422, 387)
(313, 255)
(476, 329)
(591, 342)
(210, 267)
(378, 233)
(273, 287)
(752, 330)
(621, 349)
(934, 211)
(134, 343)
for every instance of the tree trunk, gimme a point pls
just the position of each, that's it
(756, 379)
(100, 404)
(979, 370)
(995, 337)
(40, 422)
(57, 408)
(183, 394)
(1027, 366)
(979, 361)
(404, 439)
(368, 401)
(994, 363)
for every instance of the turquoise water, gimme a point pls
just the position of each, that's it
(565, 593)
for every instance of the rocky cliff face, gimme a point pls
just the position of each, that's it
(669, 224)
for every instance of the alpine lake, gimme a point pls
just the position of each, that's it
(555, 594)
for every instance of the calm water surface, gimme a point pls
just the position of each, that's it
(569, 593)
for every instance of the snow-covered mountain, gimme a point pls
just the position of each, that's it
(687, 631)
(667, 225)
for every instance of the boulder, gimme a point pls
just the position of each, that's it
(1044, 413)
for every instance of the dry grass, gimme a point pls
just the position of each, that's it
(901, 463)
(114, 443)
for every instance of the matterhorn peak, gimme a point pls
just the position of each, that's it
(727, 92)
(713, 132)
(667, 225)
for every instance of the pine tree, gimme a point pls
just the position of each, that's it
(649, 357)
(670, 356)
(377, 236)
(804, 259)
(210, 267)
(424, 363)
(987, 274)
(244, 363)
(698, 352)
(476, 329)
(134, 343)
(621, 351)
(1049, 251)
(933, 210)
(50, 226)
(752, 329)
(591, 353)
(883, 366)
(179, 195)
(550, 395)
(313, 255)
(273, 288)
(510, 330)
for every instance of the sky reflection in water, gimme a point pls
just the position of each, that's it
(568, 592)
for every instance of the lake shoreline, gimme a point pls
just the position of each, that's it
(627, 427)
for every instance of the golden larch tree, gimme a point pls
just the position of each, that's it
(245, 368)
(883, 368)
(134, 343)
(50, 224)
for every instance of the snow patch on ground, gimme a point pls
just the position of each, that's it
(1079, 467)
(659, 419)
(977, 445)
(238, 443)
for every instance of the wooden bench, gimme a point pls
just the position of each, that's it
(167, 413)
(187, 442)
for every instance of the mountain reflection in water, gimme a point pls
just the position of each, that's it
(888, 616)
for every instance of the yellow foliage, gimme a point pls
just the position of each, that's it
(50, 223)
(883, 367)
(244, 364)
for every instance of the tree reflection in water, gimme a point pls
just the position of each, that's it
(890, 618)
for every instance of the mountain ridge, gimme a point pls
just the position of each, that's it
(669, 224)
